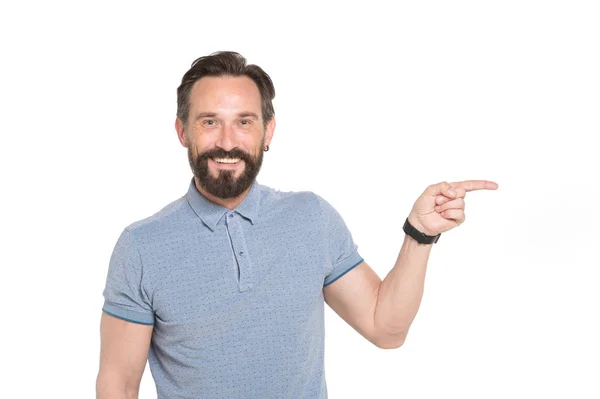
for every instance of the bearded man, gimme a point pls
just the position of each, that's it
(222, 290)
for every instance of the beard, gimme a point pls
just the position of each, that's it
(225, 185)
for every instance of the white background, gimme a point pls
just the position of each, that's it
(374, 102)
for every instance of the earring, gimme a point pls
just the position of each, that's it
(266, 148)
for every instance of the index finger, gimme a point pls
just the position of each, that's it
(471, 185)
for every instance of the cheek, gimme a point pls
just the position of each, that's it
(199, 145)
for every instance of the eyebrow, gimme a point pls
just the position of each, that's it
(213, 115)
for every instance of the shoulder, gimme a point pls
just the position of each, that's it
(273, 196)
(297, 202)
(175, 213)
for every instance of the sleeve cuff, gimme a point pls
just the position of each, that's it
(128, 315)
(343, 267)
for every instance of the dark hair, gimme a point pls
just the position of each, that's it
(225, 63)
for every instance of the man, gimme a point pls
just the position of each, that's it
(223, 290)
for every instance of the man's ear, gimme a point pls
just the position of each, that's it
(270, 130)
(181, 133)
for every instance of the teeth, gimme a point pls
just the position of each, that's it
(227, 160)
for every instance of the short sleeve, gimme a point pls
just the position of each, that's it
(341, 251)
(123, 294)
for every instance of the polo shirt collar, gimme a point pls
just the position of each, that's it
(211, 213)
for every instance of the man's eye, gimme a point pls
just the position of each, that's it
(209, 122)
(245, 122)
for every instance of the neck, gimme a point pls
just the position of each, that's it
(229, 203)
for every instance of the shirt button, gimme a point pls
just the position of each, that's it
(231, 215)
(241, 253)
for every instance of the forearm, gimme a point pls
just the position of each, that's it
(400, 293)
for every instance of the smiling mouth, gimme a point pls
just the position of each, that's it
(226, 163)
(227, 160)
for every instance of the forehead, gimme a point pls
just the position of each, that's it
(224, 94)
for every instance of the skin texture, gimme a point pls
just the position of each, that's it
(123, 354)
(229, 129)
(441, 206)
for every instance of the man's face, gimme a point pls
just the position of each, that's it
(225, 134)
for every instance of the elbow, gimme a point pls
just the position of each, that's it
(390, 341)
(107, 387)
(389, 345)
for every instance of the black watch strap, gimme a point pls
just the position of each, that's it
(421, 238)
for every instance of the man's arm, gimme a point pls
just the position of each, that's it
(123, 356)
(382, 311)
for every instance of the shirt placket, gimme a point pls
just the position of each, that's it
(240, 252)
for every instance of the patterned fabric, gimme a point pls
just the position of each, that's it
(235, 296)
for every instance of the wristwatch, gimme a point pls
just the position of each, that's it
(421, 238)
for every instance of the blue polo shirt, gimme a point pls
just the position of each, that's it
(235, 296)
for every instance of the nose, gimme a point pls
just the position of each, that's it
(226, 139)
